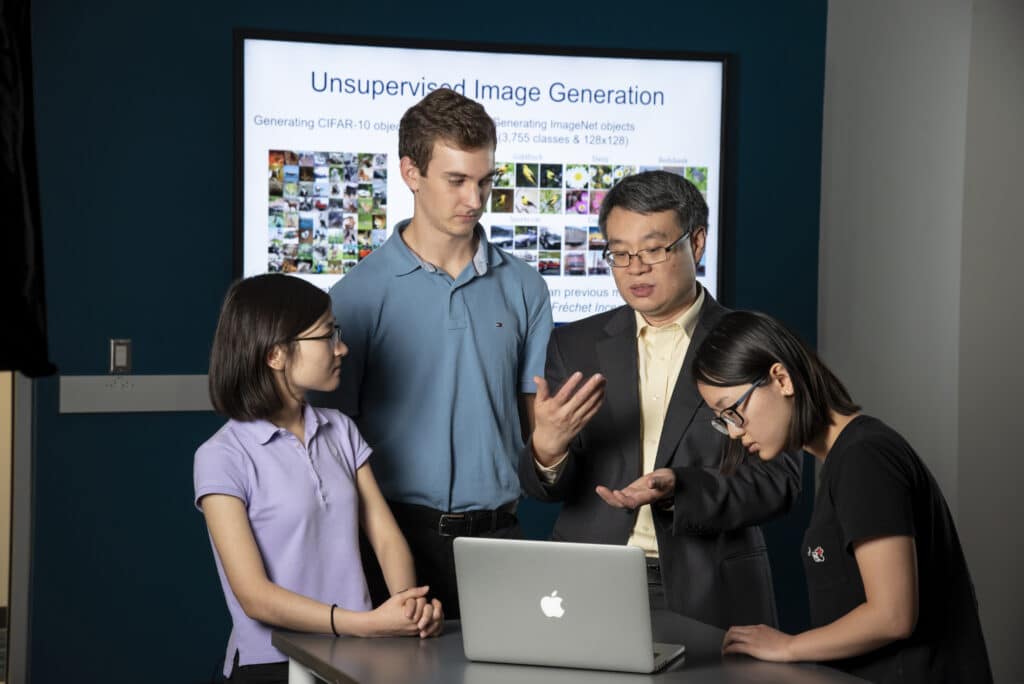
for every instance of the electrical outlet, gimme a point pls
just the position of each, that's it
(120, 356)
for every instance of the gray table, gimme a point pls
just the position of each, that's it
(441, 661)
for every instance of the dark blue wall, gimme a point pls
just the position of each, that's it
(134, 110)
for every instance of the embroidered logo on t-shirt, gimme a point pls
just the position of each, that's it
(817, 554)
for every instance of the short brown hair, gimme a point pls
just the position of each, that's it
(258, 313)
(444, 115)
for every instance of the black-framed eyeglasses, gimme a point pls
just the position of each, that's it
(732, 415)
(647, 257)
(334, 336)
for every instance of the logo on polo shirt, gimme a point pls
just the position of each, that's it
(498, 324)
(817, 554)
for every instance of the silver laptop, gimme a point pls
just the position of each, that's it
(554, 603)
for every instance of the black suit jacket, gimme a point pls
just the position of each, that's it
(713, 558)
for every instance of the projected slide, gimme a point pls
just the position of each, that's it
(320, 167)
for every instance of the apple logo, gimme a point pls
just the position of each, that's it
(551, 606)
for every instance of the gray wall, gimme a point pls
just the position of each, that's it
(891, 207)
(920, 216)
(990, 467)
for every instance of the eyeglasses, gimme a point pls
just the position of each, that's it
(334, 336)
(731, 415)
(647, 257)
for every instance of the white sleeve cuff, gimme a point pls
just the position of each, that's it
(548, 474)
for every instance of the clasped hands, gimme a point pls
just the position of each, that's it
(559, 418)
(410, 613)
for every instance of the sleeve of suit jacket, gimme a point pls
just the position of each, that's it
(707, 501)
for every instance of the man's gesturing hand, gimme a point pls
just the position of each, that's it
(561, 416)
(647, 489)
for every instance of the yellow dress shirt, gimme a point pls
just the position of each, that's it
(660, 352)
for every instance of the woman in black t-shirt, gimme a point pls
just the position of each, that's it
(891, 597)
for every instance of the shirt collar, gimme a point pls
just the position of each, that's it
(404, 261)
(263, 430)
(686, 320)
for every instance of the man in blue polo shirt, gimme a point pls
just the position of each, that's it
(445, 334)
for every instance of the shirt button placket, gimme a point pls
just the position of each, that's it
(308, 453)
(319, 478)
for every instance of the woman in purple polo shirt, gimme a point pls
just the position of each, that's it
(286, 487)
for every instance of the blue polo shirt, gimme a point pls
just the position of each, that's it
(435, 367)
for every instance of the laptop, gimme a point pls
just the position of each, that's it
(557, 604)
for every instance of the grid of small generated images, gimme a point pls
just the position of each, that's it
(525, 192)
(327, 210)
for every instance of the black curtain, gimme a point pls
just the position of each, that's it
(23, 344)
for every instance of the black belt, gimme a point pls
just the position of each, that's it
(653, 570)
(465, 524)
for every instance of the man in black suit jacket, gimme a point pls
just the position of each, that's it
(643, 467)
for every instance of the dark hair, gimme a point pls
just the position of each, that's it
(443, 115)
(742, 348)
(654, 191)
(258, 313)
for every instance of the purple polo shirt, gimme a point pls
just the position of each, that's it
(303, 507)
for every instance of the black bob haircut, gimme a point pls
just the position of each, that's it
(258, 313)
(742, 348)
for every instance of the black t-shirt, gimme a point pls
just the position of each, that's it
(873, 484)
